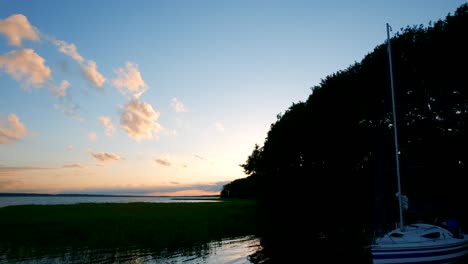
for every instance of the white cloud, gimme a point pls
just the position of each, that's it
(68, 49)
(139, 120)
(106, 156)
(16, 28)
(11, 130)
(90, 71)
(178, 106)
(106, 122)
(129, 80)
(25, 66)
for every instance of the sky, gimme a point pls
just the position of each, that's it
(167, 97)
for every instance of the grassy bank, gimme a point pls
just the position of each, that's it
(155, 226)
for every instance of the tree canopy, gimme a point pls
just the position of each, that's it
(339, 142)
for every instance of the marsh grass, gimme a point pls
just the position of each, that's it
(45, 229)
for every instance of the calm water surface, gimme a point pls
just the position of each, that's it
(21, 200)
(232, 251)
(229, 250)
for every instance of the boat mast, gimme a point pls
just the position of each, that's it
(395, 129)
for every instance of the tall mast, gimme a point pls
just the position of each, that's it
(395, 129)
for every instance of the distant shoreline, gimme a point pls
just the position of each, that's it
(103, 195)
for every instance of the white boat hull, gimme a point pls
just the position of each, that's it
(419, 243)
(449, 253)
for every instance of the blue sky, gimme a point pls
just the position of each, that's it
(167, 97)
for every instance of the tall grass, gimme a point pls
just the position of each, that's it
(154, 226)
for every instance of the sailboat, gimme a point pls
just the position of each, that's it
(418, 242)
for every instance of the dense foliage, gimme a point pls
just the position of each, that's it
(335, 151)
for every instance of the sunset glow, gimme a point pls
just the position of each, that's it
(166, 97)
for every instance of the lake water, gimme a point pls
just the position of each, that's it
(46, 199)
(230, 250)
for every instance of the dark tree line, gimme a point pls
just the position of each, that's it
(333, 155)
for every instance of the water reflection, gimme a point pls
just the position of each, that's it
(233, 250)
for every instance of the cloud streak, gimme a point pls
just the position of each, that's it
(11, 171)
(68, 49)
(163, 162)
(92, 74)
(106, 156)
(16, 28)
(172, 189)
(11, 130)
(73, 166)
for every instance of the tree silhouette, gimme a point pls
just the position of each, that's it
(333, 154)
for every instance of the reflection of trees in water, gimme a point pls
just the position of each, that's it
(221, 251)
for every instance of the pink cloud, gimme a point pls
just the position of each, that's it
(11, 130)
(163, 162)
(68, 49)
(106, 122)
(73, 166)
(90, 71)
(139, 120)
(16, 28)
(60, 91)
(25, 66)
(106, 156)
(129, 80)
(92, 136)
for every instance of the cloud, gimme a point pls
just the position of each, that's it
(89, 70)
(92, 136)
(11, 130)
(11, 171)
(91, 73)
(178, 106)
(200, 157)
(16, 28)
(25, 66)
(60, 91)
(138, 119)
(106, 156)
(68, 49)
(73, 166)
(172, 189)
(69, 109)
(129, 80)
(219, 126)
(163, 162)
(106, 122)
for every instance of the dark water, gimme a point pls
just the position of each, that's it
(233, 250)
(286, 242)
(22, 200)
